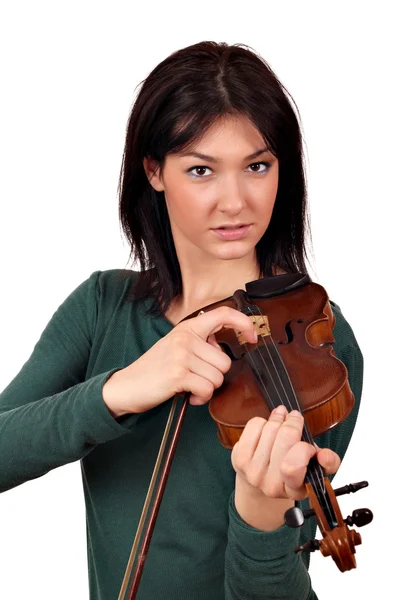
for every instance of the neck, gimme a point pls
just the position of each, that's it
(205, 287)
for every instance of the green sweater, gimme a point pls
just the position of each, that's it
(53, 413)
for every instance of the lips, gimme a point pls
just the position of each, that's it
(236, 233)
(236, 226)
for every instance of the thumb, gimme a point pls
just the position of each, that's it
(328, 459)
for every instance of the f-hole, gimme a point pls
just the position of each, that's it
(289, 332)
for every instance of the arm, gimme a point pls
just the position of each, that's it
(261, 565)
(49, 414)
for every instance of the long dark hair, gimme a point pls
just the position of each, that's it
(179, 100)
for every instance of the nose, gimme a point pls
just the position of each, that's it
(231, 198)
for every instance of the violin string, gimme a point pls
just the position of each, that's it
(315, 474)
(318, 484)
(316, 470)
(288, 404)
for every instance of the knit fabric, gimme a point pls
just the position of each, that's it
(53, 413)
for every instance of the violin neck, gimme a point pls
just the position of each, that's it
(274, 382)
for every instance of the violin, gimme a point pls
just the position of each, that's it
(292, 363)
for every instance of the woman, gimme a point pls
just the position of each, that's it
(212, 195)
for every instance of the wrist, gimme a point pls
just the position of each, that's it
(258, 510)
(112, 393)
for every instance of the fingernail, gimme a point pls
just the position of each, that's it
(295, 413)
(280, 410)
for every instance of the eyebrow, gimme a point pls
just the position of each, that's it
(216, 160)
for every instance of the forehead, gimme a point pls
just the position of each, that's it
(228, 137)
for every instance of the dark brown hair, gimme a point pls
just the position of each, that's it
(179, 100)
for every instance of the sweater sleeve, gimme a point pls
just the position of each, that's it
(262, 565)
(49, 414)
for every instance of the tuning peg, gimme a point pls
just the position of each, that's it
(295, 517)
(310, 546)
(359, 517)
(351, 488)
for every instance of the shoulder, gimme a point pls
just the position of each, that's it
(115, 291)
(104, 291)
(115, 282)
(107, 298)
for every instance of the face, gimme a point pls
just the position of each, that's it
(235, 185)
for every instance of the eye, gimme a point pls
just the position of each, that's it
(266, 165)
(202, 167)
(199, 168)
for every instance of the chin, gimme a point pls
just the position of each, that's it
(234, 253)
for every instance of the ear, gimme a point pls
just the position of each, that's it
(152, 168)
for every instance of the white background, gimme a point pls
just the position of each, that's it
(68, 74)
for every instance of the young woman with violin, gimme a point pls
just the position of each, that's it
(212, 196)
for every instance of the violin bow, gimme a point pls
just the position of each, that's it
(137, 574)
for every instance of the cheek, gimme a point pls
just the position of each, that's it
(273, 181)
(270, 195)
(189, 199)
(186, 209)
(264, 203)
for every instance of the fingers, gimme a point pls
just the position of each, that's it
(204, 359)
(243, 451)
(295, 456)
(224, 316)
(329, 460)
(212, 340)
(289, 458)
(294, 467)
(211, 353)
(262, 453)
(289, 434)
(251, 455)
(202, 380)
(272, 457)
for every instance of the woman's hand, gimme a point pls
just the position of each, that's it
(187, 359)
(270, 461)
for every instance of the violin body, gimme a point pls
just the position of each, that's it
(301, 321)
